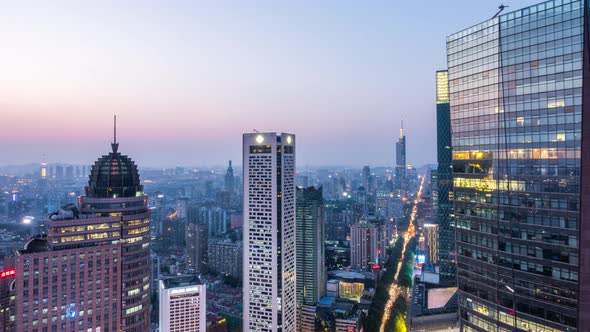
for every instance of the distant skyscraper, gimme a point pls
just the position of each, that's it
(59, 172)
(269, 232)
(182, 208)
(302, 181)
(197, 245)
(363, 245)
(401, 181)
(229, 179)
(92, 270)
(447, 254)
(311, 267)
(360, 196)
(225, 257)
(182, 304)
(366, 174)
(69, 171)
(521, 168)
(43, 169)
(216, 218)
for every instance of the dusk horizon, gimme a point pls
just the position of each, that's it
(295, 166)
(186, 80)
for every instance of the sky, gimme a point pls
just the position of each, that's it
(187, 78)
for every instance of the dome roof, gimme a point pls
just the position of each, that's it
(114, 175)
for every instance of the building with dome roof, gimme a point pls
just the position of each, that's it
(92, 270)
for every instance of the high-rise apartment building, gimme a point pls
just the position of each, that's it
(182, 304)
(311, 267)
(225, 257)
(197, 246)
(447, 254)
(401, 179)
(363, 246)
(269, 232)
(92, 270)
(216, 218)
(521, 205)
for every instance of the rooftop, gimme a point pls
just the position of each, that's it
(181, 281)
(34, 245)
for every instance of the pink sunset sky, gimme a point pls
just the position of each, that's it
(187, 78)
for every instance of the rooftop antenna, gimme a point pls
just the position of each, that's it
(401, 130)
(501, 7)
(115, 145)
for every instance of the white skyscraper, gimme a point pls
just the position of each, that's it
(183, 304)
(269, 232)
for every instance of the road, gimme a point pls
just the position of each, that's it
(394, 289)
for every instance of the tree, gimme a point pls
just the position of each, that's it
(405, 280)
(400, 324)
(400, 305)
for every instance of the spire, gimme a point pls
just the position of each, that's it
(401, 130)
(115, 145)
(230, 164)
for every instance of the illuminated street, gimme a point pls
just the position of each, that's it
(394, 289)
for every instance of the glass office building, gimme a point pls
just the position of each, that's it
(521, 181)
(446, 222)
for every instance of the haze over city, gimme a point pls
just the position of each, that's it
(187, 78)
(295, 166)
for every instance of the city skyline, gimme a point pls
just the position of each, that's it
(170, 74)
(403, 167)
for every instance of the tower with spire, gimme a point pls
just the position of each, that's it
(106, 238)
(229, 179)
(401, 180)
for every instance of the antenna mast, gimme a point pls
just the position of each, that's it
(501, 9)
(115, 130)
(115, 145)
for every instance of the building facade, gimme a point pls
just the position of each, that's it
(92, 270)
(431, 238)
(216, 218)
(269, 232)
(363, 246)
(447, 254)
(311, 264)
(225, 257)
(183, 304)
(197, 243)
(516, 94)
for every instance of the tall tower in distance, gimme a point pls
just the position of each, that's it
(447, 255)
(401, 181)
(229, 179)
(43, 168)
(269, 232)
